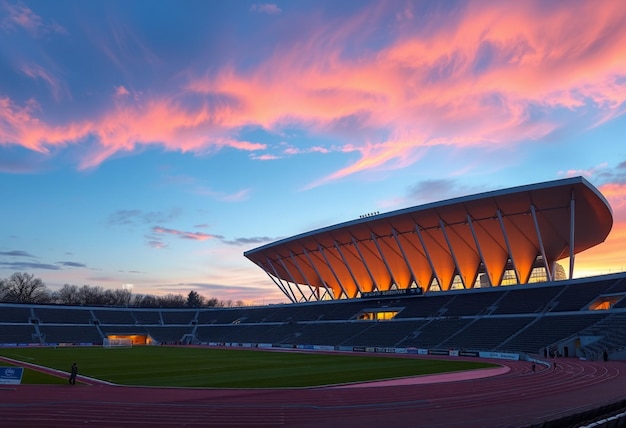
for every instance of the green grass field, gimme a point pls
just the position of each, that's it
(228, 368)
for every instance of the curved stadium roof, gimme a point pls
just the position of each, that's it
(489, 233)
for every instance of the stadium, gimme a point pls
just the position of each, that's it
(475, 278)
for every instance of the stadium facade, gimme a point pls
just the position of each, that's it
(503, 237)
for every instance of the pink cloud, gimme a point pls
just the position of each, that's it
(588, 173)
(18, 15)
(121, 91)
(159, 121)
(37, 72)
(467, 83)
(265, 157)
(232, 197)
(21, 126)
(156, 244)
(196, 236)
(470, 77)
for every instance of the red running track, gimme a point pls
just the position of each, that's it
(512, 399)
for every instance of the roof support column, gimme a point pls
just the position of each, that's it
(295, 262)
(541, 248)
(314, 293)
(456, 262)
(345, 262)
(280, 287)
(428, 257)
(480, 251)
(382, 256)
(406, 260)
(358, 250)
(319, 275)
(572, 217)
(326, 293)
(294, 299)
(508, 245)
(330, 266)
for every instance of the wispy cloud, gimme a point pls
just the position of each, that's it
(196, 236)
(18, 15)
(248, 241)
(137, 217)
(72, 264)
(34, 264)
(29, 265)
(267, 8)
(241, 195)
(442, 85)
(154, 243)
(16, 253)
(37, 72)
(434, 190)
(436, 84)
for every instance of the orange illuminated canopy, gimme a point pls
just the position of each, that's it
(457, 243)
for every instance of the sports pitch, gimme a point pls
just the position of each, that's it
(230, 368)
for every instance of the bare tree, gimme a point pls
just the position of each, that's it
(212, 303)
(145, 301)
(172, 301)
(67, 295)
(22, 287)
(122, 296)
(92, 295)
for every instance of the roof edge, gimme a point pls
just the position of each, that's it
(445, 202)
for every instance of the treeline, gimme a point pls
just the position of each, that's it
(22, 287)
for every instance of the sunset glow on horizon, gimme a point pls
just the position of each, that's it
(152, 144)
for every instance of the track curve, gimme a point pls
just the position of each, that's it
(516, 397)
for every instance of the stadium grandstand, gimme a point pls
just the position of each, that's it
(578, 318)
(462, 274)
(477, 276)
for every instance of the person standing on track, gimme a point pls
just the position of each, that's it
(73, 373)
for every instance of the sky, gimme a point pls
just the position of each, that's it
(152, 143)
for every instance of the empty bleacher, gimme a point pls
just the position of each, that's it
(13, 314)
(178, 317)
(70, 334)
(470, 303)
(62, 315)
(114, 316)
(482, 335)
(146, 316)
(12, 334)
(168, 334)
(430, 334)
(520, 300)
(383, 334)
(577, 296)
(549, 329)
(611, 334)
(424, 306)
(220, 315)
(330, 333)
(509, 319)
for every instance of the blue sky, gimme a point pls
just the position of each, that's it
(153, 145)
